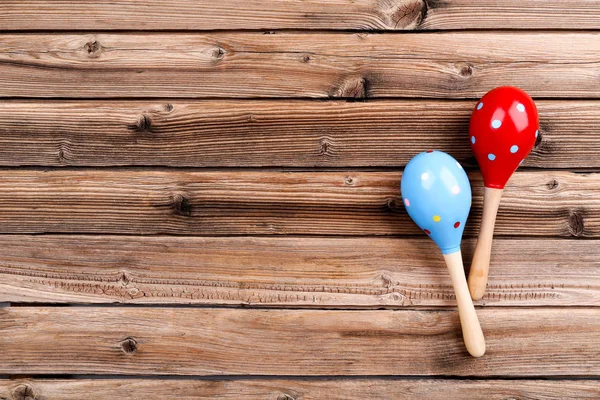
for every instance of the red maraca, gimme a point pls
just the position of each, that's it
(504, 127)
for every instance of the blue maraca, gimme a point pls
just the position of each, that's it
(437, 195)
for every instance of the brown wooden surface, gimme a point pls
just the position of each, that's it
(288, 272)
(156, 154)
(305, 389)
(240, 133)
(274, 203)
(155, 341)
(313, 14)
(292, 64)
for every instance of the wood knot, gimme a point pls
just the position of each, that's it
(465, 70)
(124, 278)
(391, 204)
(168, 107)
(538, 140)
(143, 124)
(24, 392)
(93, 48)
(182, 205)
(306, 58)
(349, 181)
(352, 88)
(285, 397)
(218, 53)
(408, 14)
(129, 345)
(325, 146)
(576, 223)
(552, 184)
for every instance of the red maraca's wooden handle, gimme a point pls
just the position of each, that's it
(472, 333)
(478, 275)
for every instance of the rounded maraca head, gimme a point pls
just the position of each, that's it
(503, 129)
(437, 195)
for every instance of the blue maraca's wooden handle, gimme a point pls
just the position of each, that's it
(471, 329)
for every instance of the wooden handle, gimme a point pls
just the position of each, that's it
(472, 334)
(478, 275)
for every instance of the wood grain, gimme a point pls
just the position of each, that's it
(287, 272)
(314, 14)
(305, 389)
(288, 64)
(290, 133)
(153, 341)
(265, 203)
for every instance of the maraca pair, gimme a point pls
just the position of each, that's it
(437, 194)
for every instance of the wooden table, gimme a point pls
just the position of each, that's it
(199, 199)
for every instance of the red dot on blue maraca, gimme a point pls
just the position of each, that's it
(457, 224)
(429, 151)
(427, 231)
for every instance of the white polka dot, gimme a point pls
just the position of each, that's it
(407, 202)
(472, 139)
(491, 157)
(496, 124)
(514, 148)
(520, 107)
(479, 106)
(536, 133)
(455, 189)
(459, 166)
(424, 176)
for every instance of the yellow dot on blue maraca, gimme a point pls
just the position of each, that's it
(436, 218)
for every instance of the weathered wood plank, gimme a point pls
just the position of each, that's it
(81, 340)
(258, 202)
(315, 14)
(287, 64)
(306, 272)
(305, 389)
(272, 133)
